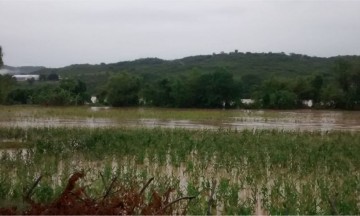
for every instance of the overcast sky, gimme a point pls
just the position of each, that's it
(56, 33)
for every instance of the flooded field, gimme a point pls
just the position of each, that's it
(182, 175)
(249, 172)
(220, 155)
(93, 117)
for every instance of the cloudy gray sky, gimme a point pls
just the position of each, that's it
(57, 33)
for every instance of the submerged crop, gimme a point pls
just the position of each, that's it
(273, 172)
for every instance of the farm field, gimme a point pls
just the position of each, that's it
(240, 171)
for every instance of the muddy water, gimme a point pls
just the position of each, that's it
(303, 120)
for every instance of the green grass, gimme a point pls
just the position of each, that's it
(289, 172)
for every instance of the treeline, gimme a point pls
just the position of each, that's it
(276, 81)
(211, 90)
(59, 93)
(55, 92)
(340, 92)
(259, 65)
(218, 89)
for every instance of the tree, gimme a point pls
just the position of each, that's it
(283, 99)
(353, 91)
(160, 93)
(250, 82)
(77, 90)
(6, 85)
(42, 77)
(31, 81)
(316, 84)
(53, 77)
(348, 79)
(1, 55)
(216, 89)
(182, 93)
(333, 97)
(68, 85)
(20, 96)
(101, 97)
(276, 94)
(342, 71)
(302, 88)
(356, 83)
(123, 90)
(53, 95)
(68, 92)
(208, 90)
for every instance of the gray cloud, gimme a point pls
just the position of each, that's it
(61, 32)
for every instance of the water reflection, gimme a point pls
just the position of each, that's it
(299, 120)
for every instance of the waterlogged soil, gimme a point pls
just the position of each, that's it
(297, 120)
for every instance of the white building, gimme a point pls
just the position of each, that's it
(247, 101)
(94, 99)
(26, 77)
(308, 103)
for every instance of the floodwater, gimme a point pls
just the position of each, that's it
(294, 120)
(299, 120)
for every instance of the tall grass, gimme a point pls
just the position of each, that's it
(277, 172)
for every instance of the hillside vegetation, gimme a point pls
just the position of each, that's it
(272, 80)
(254, 66)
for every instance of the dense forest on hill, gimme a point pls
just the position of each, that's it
(239, 64)
(253, 66)
(272, 80)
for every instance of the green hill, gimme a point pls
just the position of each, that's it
(248, 65)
